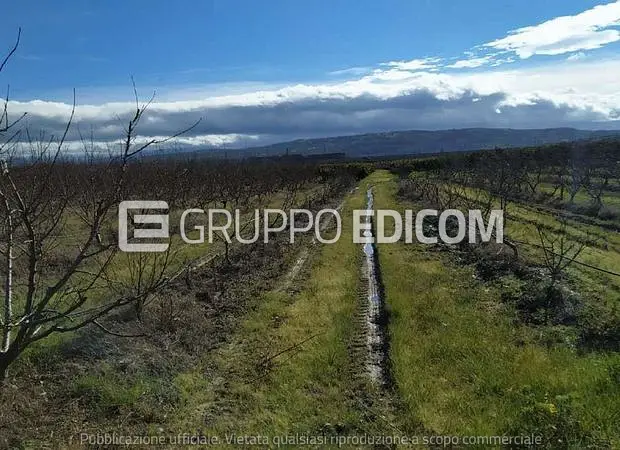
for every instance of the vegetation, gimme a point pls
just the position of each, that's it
(194, 310)
(467, 362)
(519, 337)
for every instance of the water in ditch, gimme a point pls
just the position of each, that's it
(374, 308)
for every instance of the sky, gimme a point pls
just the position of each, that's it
(262, 72)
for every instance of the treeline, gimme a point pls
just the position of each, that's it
(555, 173)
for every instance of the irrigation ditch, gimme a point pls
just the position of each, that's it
(372, 316)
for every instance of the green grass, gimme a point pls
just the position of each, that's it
(602, 246)
(122, 266)
(462, 363)
(306, 389)
(462, 366)
(582, 198)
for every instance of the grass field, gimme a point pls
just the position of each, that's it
(464, 366)
(279, 353)
(289, 363)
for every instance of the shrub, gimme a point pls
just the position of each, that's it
(600, 326)
(609, 213)
(554, 420)
(548, 303)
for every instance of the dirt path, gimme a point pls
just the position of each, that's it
(370, 346)
(373, 308)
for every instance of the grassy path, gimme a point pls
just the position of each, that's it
(289, 368)
(460, 363)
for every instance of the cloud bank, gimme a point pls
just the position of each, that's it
(482, 89)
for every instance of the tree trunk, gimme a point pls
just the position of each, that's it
(6, 359)
(513, 247)
(572, 194)
(4, 368)
(8, 288)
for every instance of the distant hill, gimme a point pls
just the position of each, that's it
(417, 141)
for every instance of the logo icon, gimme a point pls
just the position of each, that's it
(151, 233)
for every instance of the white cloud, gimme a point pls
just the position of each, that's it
(502, 61)
(216, 140)
(569, 93)
(415, 64)
(208, 141)
(585, 31)
(576, 56)
(471, 63)
(350, 71)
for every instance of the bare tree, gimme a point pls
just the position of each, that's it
(7, 136)
(599, 173)
(559, 251)
(36, 199)
(578, 177)
(534, 172)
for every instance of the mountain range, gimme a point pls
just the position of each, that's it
(421, 141)
(400, 143)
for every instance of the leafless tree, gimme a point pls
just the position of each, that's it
(599, 173)
(37, 199)
(559, 251)
(533, 175)
(578, 178)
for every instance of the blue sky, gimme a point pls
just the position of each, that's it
(274, 70)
